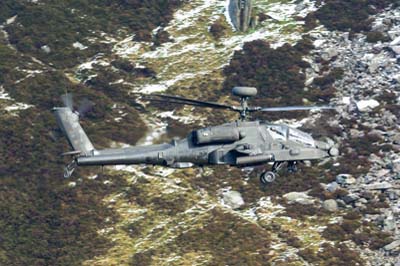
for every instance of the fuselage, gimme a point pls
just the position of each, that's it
(238, 143)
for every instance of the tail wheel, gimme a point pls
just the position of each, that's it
(267, 177)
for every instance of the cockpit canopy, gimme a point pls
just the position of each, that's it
(284, 132)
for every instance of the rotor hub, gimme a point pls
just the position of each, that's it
(244, 93)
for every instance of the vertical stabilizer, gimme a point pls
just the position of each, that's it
(68, 122)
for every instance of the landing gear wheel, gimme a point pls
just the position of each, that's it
(267, 177)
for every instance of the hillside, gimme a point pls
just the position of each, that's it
(346, 211)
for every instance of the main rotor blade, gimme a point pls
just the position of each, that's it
(296, 108)
(175, 102)
(182, 100)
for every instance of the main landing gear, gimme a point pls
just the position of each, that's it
(270, 176)
(267, 177)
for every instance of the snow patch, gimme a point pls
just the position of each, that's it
(79, 46)
(366, 105)
(95, 61)
(17, 107)
(11, 20)
(3, 94)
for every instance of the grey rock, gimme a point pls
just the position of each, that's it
(359, 205)
(329, 54)
(341, 203)
(389, 223)
(392, 195)
(345, 179)
(376, 62)
(381, 173)
(392, 245)
(300, 7)
(368, 179)
(350, 198)
(396, 140)
(373, 158)
(299, 197)
(396, 78)
(363, 201)
(395, 42)
(389, 119)
(330, 205)
(396, 49)
(332, 187)
(355, 133)
(378, 186)
(309, 81)
(367, 105)
(233, 199)
(380, 26)
(46, 49)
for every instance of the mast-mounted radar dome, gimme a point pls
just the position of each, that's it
(244, 91)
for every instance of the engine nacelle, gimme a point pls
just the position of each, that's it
(217, 135)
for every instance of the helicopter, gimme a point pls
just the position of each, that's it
(241, 143)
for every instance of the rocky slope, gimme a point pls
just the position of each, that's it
(341, 212)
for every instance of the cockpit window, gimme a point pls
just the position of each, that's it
(301, 137)
(277, 131)
(283, 132)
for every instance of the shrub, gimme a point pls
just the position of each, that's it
(352, 15)
(377, 36)
(218, 29)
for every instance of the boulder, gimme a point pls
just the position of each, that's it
(378, 186)
(299, 197)
(389, 223)
(233, 199)
(389, 119)
(393, 195)
(396, 140)
(367, 105)
(345, 179)
(332, 187)
(396, 49)
(300, 7)
(341, 203)
(72, 184)
(381, 173)
(329, 54)
(330, 205)
(350, 198)
(46, 49)
(392, 245)
(395, 41)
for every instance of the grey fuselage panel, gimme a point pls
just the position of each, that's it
(259, 143)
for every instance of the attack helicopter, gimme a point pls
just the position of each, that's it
(240, 143)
